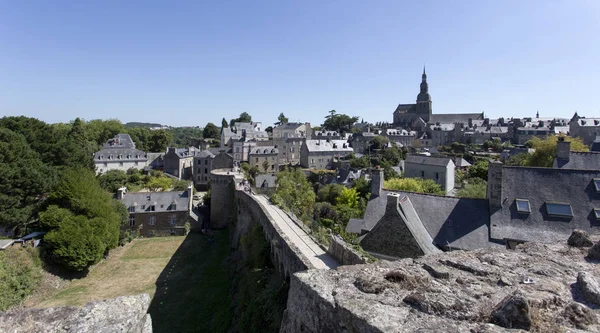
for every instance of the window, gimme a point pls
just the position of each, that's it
(597, 184)
(559, 209)
(205, 170)
(437, 176)
(173, 220)
(597, 213)
(131, 220)
(205, 162)
(152, 208)
(523, 206)
(174, 206)
(120, 163)
(152, 220)
(132, 209)
(205, 179)
(422, 174)
(257, 160)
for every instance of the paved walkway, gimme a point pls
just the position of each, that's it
(319, 258)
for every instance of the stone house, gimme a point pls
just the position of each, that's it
(263, 156)
(158, 213)
(439, 169)
(178, 162)
(585, 128)
(119, 153)
(360, 142)
(292, 130)
(400, 224)
(320, 154)
(208, 160)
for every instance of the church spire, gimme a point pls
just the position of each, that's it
(424, 76)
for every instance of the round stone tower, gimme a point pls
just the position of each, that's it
(222, 204)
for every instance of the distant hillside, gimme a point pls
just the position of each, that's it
(136, 124)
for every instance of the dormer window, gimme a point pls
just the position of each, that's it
(523, 206)
(597, 213)
(597, 184)
(152, 208)
(132, 209)
(559, 209)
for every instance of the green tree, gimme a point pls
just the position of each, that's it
(294, 192)
(180, 185)
(281, 119)
(24, 180)
(414, 185)
(518, 160)
(244, 117)
(159, 183)
(100, 130)
(545, 150)
(112, 180)
(211, 131)
(224, 123)
(339, 122)
(330, 193)
(159, 141)
(363, 187)
(378, 142)
(479, 170)
(475, 188)
(348, 197)
(80, 239)
(495, 145)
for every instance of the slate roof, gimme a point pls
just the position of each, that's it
(461, 163)
(325, 146)
(588, 122)
(161, 200)
(120, 145)
(205, 154)
(450, 118)
(540, 185)
(264, 150)
(403, 108)
(289, 126)
(120, 141)
(456, 223)
(427, 160)
(580, 160)
(185, 152)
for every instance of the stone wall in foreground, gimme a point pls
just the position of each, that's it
(121, 314)
(537, 287)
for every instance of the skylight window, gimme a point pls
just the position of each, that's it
(559, 209)
(523, 206)
(597, 213)
(597, 184)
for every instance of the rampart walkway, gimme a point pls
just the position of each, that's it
(317, 256)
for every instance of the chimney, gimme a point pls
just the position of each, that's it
(376, 183)
(121, 193)
(563, 148)
(190, 193)
(494, 186)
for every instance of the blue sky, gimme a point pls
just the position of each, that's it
(190, 62)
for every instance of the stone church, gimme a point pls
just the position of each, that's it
(416, 116)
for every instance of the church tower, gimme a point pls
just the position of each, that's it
(424, 108)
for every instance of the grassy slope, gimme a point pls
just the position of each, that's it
(188, 275)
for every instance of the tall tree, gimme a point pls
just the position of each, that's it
(224, 123)
(24, 181)
(78, 238)
(339, 122)
(159, 141)
(244, 117)
(211, 131)
(282, 119)
(294, 192)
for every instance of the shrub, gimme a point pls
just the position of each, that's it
(20, 275)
